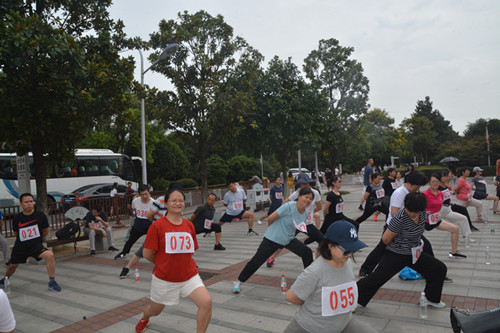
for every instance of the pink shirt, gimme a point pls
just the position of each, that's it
(464, 190)
(434, 202)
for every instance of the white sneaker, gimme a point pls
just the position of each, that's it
(259, 222)
(436, 305)
(462, 240)
(236, 287)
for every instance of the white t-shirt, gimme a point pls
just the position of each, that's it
(234, 201)
(141, 209)
(397, 200)
(310, 208)
(113, 192)
(7, 321)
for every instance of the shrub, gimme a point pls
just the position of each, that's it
(216, 170)
(187, 182)
(160, 184)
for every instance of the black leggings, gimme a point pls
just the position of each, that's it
(462, 210)
(313, 233)
(267, 248)
(370, 210)
(134, 236)
(327, 223)
(374, 257)
(432, 269)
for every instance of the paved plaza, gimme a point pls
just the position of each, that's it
(94, 299)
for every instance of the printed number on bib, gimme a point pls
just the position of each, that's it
(141, 213)
(28, 233)
(179, 242)
(433, 218)
(310, 219)
(446, 194)
(394, 185)
(238, 205)
(339, 208)
(208, 224)
(97, 225)
(416, 252)
(380, 193)
(301, 226)
(469, 196)
(278, 195)
(339, 299)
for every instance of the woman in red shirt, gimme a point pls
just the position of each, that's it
(434, 203)
(170, 244)
(464, 194)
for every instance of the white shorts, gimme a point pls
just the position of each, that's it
(169, 293)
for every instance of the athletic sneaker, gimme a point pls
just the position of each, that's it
(462, 240)
(112, 248)
(436, 305)
(126, 239)
(120, 255)
(92, 252)
(219, 247)
(448, 280)
(362, 274)
(236, 287)
(7, 263)
(54, 286)
(207, 234)
(252, 233)
(482, 220)
(360, 207)
(259, 221)
(473, 228)
(270, 262)
(457, 255)
(124, 273)
(142, 325)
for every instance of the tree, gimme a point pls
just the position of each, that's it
(59, 69)
(213, 73)
(377, 129)
(420, 137)
(288, 110)
(341, 79)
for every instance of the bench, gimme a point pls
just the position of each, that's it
(99, 244)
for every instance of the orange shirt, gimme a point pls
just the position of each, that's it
(174, 246)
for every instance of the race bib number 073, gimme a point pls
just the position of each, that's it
(179, 242)
(28, 233)
(339, 299)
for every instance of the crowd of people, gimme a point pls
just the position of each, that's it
(171, 240)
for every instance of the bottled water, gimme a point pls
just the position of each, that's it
(488, 257)
(137, 275)
(283, 284)
(467, 239)
(7, 285)
(423, 306)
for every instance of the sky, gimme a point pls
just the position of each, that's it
(448, 50)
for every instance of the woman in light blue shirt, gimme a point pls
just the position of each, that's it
(281, 233)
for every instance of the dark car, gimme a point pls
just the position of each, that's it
(81, 195)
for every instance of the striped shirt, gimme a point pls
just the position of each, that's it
(158, 208)
(408, 233)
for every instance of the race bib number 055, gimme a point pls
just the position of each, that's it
(433, 218)
(179, 242)
(28, 233)
(339, 299)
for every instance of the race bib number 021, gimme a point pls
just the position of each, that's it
(28, 233)
(339, 299)
(179, 242)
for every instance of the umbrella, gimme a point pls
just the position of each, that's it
(449, 159)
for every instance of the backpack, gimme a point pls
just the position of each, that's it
(409, 274)
(69, 231)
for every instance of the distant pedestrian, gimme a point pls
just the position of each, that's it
(276, 198)
(233, 201)
(463, 191)
(203, 221)
(481, 193)
(367, 180)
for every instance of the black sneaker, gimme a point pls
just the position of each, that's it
(448, 280)
(360, 207)
(7, 263)
(92, 252)
(120, 255)
(124, 273)
(362, 274)
(219, 247)
(457, 255)
(474, 228)
(112, 249)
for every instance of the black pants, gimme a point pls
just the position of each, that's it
(134, 236)
(314, 234)
(375, 256)
(463, 211)
(326, 224)
(267, 248)
(370, 210)
(432, 269)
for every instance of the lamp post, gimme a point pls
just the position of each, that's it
(168, 50)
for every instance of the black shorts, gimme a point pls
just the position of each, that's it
(429, 227)
(272, 209)
(200, 228)
(229, 218)
(479, 196)
(20, 254)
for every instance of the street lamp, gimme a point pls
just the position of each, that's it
(170, 49)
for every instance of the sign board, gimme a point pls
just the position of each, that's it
(77, 212)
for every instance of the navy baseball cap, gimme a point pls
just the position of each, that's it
(344, 234)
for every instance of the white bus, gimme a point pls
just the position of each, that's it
(90, 166)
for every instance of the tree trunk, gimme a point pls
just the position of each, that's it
(203, 170)
(40, 176)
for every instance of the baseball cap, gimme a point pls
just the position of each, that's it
(477, 169)
(344, 234)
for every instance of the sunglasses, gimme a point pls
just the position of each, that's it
(345, 252)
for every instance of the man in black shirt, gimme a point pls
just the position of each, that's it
(203, 218)
(30, 227)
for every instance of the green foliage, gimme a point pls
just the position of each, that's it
(169, 161)
(242, 168)
(160, 184)
(217, 170)
(187, 182)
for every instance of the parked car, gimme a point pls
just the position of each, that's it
(295, 172)
(79, 196)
